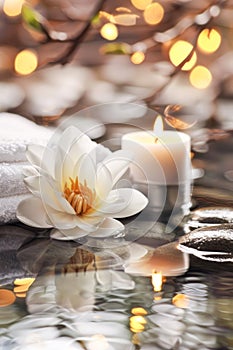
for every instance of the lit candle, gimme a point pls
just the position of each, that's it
(160, 157)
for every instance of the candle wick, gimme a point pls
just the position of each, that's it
(156, 139)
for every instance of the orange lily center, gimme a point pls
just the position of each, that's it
(79, 195)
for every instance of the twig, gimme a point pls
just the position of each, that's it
(67, 56)
(221, 3)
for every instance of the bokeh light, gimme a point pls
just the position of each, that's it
(153, 13)
(137, 57)
(26, 62)
(12, 8)
(209, 40)
(200, 77)
(109, 31)
(178, 53)
(141, 4)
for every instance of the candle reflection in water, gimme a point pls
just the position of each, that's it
(137, 324)
(157, 281)
(167, 259)
(139, 311)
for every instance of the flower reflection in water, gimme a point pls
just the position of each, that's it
(67, 309)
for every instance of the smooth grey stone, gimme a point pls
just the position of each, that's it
(213, 243)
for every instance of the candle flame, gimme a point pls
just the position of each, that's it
(157, 281)
(158, 127)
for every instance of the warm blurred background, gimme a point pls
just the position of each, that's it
(59, 56)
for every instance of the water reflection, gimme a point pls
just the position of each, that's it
(86, 300)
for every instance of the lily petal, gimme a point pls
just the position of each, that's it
(85, 169)
(88, 223)
(53, 198)
(61, 220)
(32, 212)
(43, 157)
(109, 227)
(102, 152)
(30, 171)
(48, 161)
(75, 142)
(117, 163)
(62, 156)
(113, 204)
(67, 235)
(132, 201)
(64, 166)
(33, 184)
(61, 212)
(82, 144)
(65, 221)
(67, 168)
(35, 153)
(103, 183)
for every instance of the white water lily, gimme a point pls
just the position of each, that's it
(73, 186)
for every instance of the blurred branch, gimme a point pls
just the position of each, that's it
(67, 57)
(199, 20)
(39, 23)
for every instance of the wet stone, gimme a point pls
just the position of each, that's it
(209, 216)
(214, 243)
